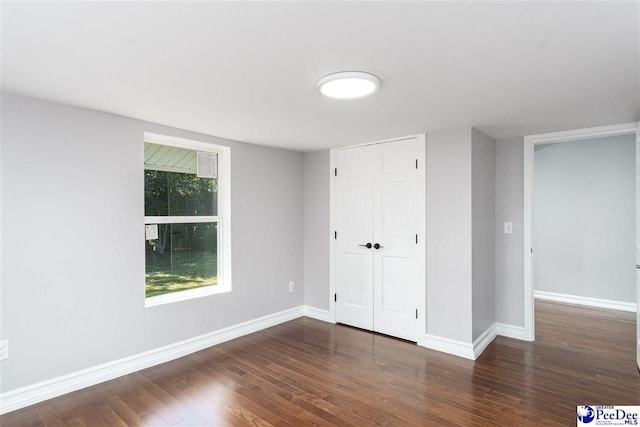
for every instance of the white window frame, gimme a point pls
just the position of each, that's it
(223, 219)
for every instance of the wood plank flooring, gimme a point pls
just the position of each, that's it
(307, 372)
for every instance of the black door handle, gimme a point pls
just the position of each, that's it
(368, 246)
(378, 246)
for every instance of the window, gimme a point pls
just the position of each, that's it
(187, 224)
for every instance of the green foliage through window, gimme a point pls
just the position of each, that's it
(184, 254)
(179, 194)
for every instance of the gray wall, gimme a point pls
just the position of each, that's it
(483, 159)
(509, 255)
(72, 273)
(317, 236)
(73, 259)
(449, 274)
(584, 218)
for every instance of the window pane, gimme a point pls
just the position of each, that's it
(171, 183)
(179, 194)
(184, 256)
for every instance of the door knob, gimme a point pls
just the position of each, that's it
(378, 246)
(368, 246)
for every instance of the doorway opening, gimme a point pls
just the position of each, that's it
(547, 144)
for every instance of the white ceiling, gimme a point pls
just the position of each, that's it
(247, 71)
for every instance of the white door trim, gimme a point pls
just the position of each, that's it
(638, 245)
(529, 143)
(421, 228)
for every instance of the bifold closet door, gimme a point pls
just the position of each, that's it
(376, 232)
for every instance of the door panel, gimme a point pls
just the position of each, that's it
(394, 286)
(356, 201)
(355, 294)
(395, 205)
(395, 298)
(354, 224)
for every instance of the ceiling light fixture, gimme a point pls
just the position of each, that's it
(348, 84)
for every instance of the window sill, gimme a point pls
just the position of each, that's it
(185, 295)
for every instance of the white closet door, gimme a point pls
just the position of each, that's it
(395, 263)
(354, 225)
(376, 251)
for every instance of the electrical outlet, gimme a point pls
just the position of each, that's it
(292, 286)
(508, 227)
(4, 349)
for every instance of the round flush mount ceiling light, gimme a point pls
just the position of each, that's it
(348, 84)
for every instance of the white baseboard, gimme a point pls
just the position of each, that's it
(586, 301)
(480, 343)
(473, 351)
(318, 314)
(510, 331)
(446, 345)
(31, 394)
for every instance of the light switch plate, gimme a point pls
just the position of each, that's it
(508, 227)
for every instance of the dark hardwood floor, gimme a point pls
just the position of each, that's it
(307, 372)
